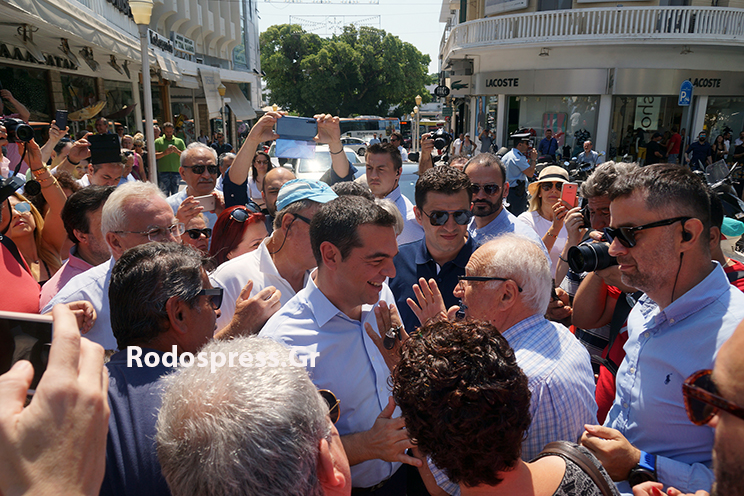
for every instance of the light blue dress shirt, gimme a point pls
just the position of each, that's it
(93, 286)
(665, 347)
(412, 230)
(560, 379)
(349, 364)
(516, 163)
(591, 158)
(504, 223)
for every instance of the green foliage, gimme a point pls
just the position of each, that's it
(361, 71)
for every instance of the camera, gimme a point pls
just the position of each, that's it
(18, 130)
(441, 138)
(590, 257)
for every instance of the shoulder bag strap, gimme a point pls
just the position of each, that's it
(569, 451)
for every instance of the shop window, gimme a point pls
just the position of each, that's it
(724, 113)
(119, 95)
(543, 5)
(28, 86)
(636, 118)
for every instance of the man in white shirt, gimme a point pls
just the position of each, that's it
(397, 140)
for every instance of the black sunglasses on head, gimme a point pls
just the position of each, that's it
(197, 233)
(199, 169)
(440, 217)
(626, 235)
(244, 213)
(703, 400)
(333, 404)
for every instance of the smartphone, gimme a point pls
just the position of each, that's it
(568, 193)
(206, 201)
(296, 128)
(25, 336)
(61, 119)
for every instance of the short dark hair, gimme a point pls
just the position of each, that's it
(142, 282)
(488, 160)
(337, 222)
(79, 205)
(464, 399)
(442, 179)
(352, 188)
(668, 187)
(716, 209)
(61, 144)
(390, 149)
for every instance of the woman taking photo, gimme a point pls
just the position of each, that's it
(260, 166)
(138, 170)
(238, 230)
(546, 212)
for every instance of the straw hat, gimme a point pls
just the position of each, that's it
(552, 173)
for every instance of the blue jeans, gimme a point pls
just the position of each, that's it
(673, 158)
(168, 182)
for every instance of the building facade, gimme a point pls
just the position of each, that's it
(610, 73)
(73, 54)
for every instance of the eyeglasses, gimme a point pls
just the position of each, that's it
(333, 410)
(215, 296)
(489, 189)
(626, 235)
(22, 207)
(485, 278)
(244, 213)
(303, 218)
(440, 217)
(703, 400)
(199, 169)
(394, 139)
(197, 233)
(547, 186)
(262, 162)
(159, 233)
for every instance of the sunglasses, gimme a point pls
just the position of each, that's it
(547, 186)
(197, 233)
(703, 400)
(199, 169)
(243, 214)
(215, 296)
(626, 235)
(22, 207)
(486, 278)
(489, 189)
(333, 410)
(440, 217)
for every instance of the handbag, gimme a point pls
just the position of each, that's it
(584, 463)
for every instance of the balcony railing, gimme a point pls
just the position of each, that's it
(682, 24)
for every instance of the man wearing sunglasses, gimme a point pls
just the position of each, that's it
(268, 406)
(443, 210)
(199, 170)
(397, 141)
(134, 214)
(660, 222)
(353, 242)
(490, 218)
(171, 312)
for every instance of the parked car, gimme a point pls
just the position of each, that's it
(314, 168)
(356, 144)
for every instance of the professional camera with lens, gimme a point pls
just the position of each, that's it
(441, 138)
(18, 130)
(590, 257)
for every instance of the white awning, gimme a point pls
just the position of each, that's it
(210, 82)
(239, 104)
(168, 67)
(189, 82)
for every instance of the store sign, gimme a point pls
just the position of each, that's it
(15, 53)
(183, 44)
(460, 85)
(542, 82)
(160, 42)
(667, 81)
(647, 112)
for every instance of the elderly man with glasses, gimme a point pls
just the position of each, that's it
(199, 170)
(659, 232)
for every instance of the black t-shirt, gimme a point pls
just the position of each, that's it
(651, 147)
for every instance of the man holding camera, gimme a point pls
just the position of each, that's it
(519, 168)
(660, 222)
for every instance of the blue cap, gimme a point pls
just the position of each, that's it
(304, 189)
(732, 228)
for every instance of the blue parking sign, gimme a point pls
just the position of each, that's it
(685, 94)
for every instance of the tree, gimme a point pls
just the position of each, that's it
(360, 71)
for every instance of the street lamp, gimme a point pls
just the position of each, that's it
(141, 11)
(418, 120)
(221, 88)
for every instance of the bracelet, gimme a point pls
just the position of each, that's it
(53, 183)
(41, 180)
(39, 172)
(551, 234)
(562, 259)
(336, 153)
(71, 162)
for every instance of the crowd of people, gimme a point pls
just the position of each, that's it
(253, 333)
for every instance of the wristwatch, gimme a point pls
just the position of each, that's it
(645, 470)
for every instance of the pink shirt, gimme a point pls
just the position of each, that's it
(70, 269)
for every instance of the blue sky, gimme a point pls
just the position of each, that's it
(416, 21)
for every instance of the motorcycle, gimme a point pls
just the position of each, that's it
(718, 177)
